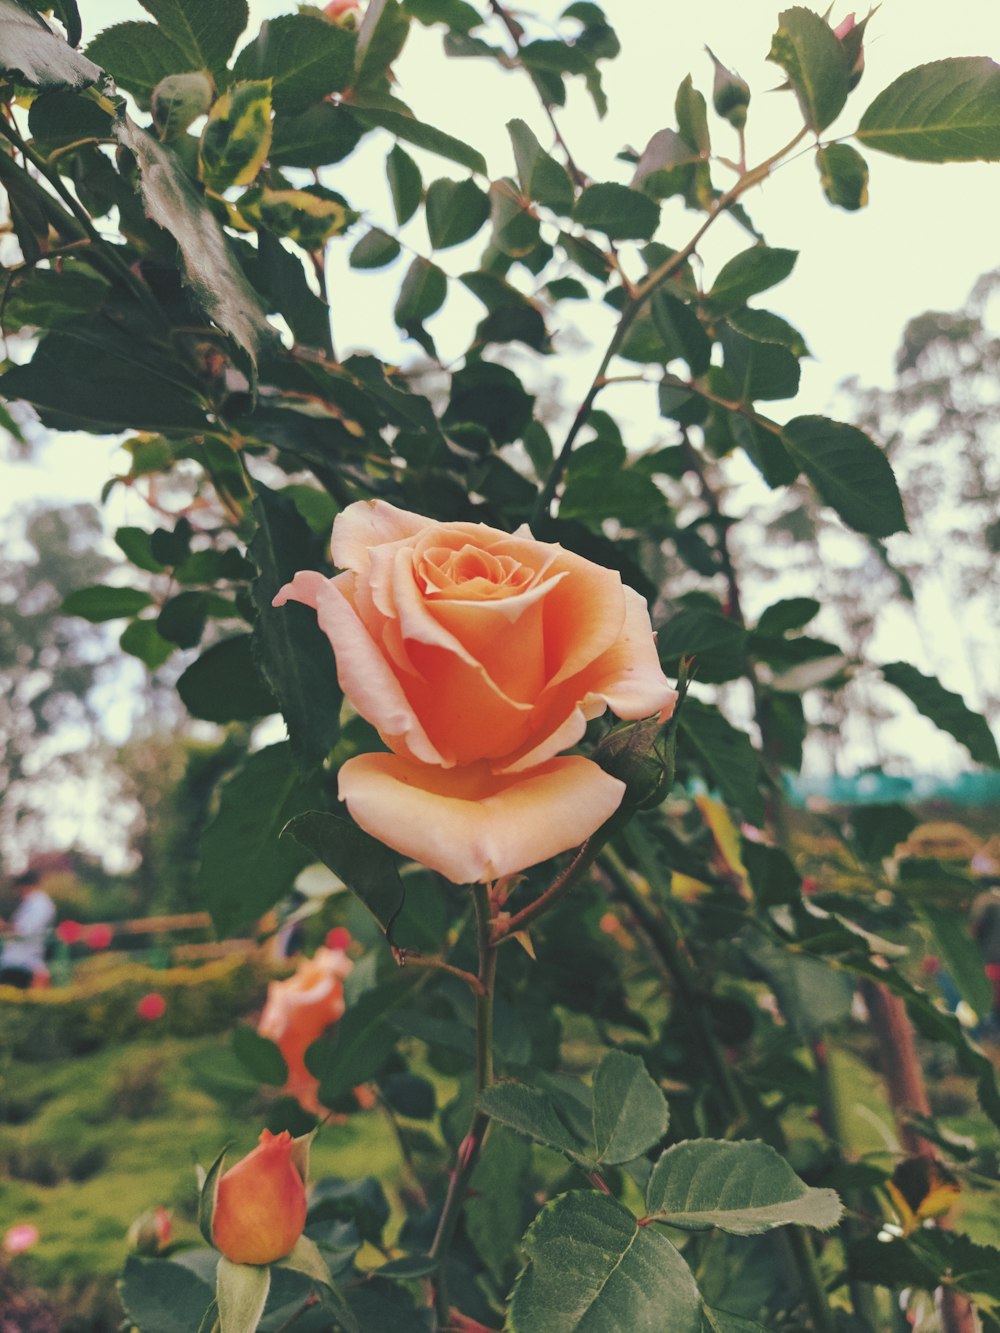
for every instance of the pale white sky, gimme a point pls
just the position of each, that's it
(928, 233)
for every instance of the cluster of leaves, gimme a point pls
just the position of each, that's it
(171, 282)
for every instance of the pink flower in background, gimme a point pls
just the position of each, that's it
(336, 9)
(299, 1010)
(69, 932)
(151, 1006)
(19, 1238)
(338, 938)
(98, 937)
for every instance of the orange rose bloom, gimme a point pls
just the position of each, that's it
(299, 1010)
(478, 656)
(260, 1209)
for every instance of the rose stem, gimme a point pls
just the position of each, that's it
(658, 930)
(469, 1149)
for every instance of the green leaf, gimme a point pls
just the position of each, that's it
(533, 1113)
(494, 1210)
(455, 211)
(88, 376)
(878, 829)
(406, 126)
(182, 619)
(294, 654)
(241, 1291)
(309, 216)
(490, 396)
(375, 249)
(316, 137)
(306, 1257)
(178, 100)
(99, 604)
(749, 272)
(720, 1321)
(807, 49)
(305, 56)
(946, 710)
(245, 867)
(843, 174)
(405, 184)
(31, 53)
(160, 1296)
(143, 640)
(515, 226)
(744, 1188)
(758, 370)
(766, 327)
(630, 1111)
(717, 644)
(692, 117)
(728, 755)
(961, 955)
(42, 298)
(790, 613)
(281, 275)
(422, 294)
(622, 214)
(365, 865)
(224, 685)
(237, 136)
(204, 34)
(851, 474)
(381, 37)
(542, 177)
(210, 267)
(667, 166)
(946, 111)
(772, 874)
(590, 1267)
(459, 16)
(682, 331)
(138, 56)
(363, 1040)
(259, 1055)
(62, 117)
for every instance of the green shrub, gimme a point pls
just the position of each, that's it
(71, 1020)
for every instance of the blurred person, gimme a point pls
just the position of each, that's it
(22, 958)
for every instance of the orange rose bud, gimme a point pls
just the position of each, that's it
(260, 1208)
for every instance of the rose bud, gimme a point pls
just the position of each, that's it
(150, 1231)
(851, 34)
(338, 9)
(730, 94)
(260, 1206)
(151, 1007)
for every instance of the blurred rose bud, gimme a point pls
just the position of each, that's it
(850, 34)
(338, 938)
(150, 1231)
(151, 1006)
(98, 937)
(338, 9)
(260, 1207)
(69, 932)
(300, 1009)
(20, 1238)
(730, 94)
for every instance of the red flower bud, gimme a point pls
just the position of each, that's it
(98, 937)
(338, 938)
(151, 1006)
(260, 1208)
(69, 932)
(851, 34)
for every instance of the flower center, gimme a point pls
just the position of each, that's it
(471, 574)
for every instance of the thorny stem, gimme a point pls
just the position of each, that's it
(638, 295)
(469, 1149)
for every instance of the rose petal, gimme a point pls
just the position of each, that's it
(365, 676)
(627, 678)
(305, 587)
(472, 825)
(583, 616)
(368, 523)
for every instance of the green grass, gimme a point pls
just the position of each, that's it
(130, 1123)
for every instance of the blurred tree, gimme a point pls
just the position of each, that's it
(50, 663)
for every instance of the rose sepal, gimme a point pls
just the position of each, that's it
(208, 1193)
(299, 1155)
(241, 1294)
(305, 1257)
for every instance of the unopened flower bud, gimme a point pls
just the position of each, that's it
(851, 34)
(730, 94)
(150, 1231)
(260, 1208)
